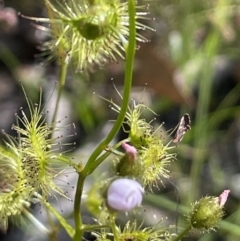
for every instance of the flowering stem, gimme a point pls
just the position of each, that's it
(130, 53)
(183, 233)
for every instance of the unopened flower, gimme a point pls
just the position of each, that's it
(223, 197)
(129, 165)
(208, 211)
(87, 32)
(124, 195)
(131, 151)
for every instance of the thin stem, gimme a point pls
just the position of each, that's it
(35, 221)
(114, 227)
(94, 227)
(63, 68)
(69, 229)
(130, 54)
(100, 159)
(62, 77)
(183, 233)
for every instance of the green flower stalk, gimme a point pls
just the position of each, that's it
(88, 32)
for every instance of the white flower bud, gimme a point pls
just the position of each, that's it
(124, 195)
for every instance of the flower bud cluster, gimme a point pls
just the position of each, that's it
(147, 158)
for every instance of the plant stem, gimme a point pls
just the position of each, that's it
(113, 226)
(94, 227)
(36, 222)
(183, 233)
(77, 208)
(100, 159)
(130, 54)
(69, 229)
(62, 77)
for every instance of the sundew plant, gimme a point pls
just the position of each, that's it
(86, 34)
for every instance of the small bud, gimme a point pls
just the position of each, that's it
(208, 211)
(124, 195)
(223, 197)
(131, 151)
(128, 164)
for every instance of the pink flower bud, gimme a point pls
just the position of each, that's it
(124, 194)
(223, 197)
(131, 151)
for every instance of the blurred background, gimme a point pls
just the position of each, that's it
(190, 65)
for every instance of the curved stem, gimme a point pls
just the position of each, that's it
(183, 233)
(100, 159)
(130, 54)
